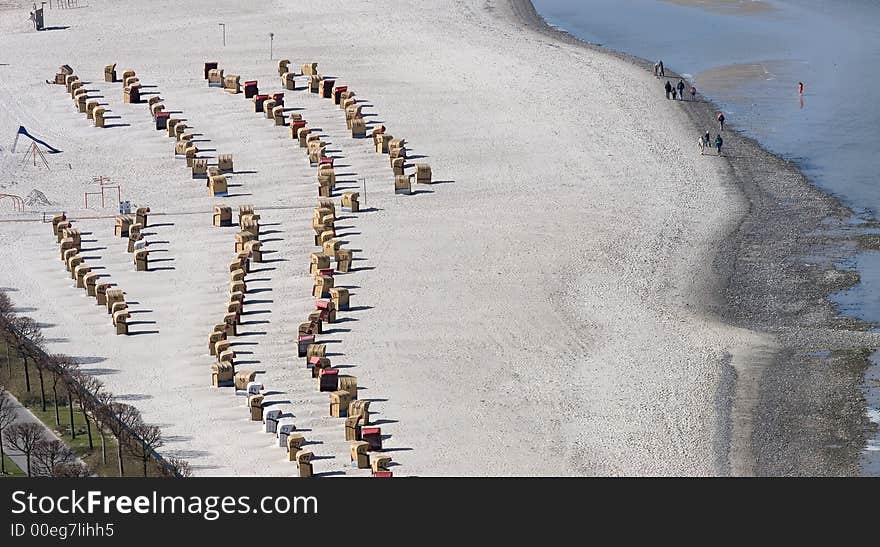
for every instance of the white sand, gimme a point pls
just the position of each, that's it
(543, 312)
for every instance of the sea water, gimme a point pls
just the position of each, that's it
(748, 57)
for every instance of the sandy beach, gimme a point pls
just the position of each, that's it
(559, 305)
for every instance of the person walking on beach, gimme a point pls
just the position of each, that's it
(660, 64)
(656, 70)
(693, 93)
(668, 87)
(681, 90)
(702, 144)
(708, 138)
(718, 142)
(800, 88)
(673, 94)
(721, 120)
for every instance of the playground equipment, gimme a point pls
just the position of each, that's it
(33, 150)
(22, 131)
(105, 185)
(17, 202)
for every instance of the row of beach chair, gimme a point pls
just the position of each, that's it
(80, 95)
(131, 227)
(383, 142)
(215, 176)
(342, 389)
(223, 372)
(70, 244)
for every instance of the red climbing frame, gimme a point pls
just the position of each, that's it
(17, 202)
(102, 181)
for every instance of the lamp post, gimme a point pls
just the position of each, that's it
(271, 38)
(224, 32)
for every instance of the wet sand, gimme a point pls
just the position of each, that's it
(731, 77)
(734, 7)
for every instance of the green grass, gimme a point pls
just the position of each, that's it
(12, 470)
(14, 380)
(80, 445)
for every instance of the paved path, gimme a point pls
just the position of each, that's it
(23, 415)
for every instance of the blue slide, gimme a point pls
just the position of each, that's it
(23, 131)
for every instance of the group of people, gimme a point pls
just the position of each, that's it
(673, 92)
(707, 142)
(677, 92)
(659, 71)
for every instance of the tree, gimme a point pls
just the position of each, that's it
(7, 336)
(25, 437)
(177, 466)
(27, 335)
(85, 388)
(121, 419)
(7, 416)
(70, 386)
(6, 313)
(6, 317)
(59, 365)
(146, 439)
(49, 455)
(41, 363)
(73, 469)
(103, 399)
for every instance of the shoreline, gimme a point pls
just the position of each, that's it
(542, 310)
(788, 218)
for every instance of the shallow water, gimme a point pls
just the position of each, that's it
(749, 61)
(834, 50)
